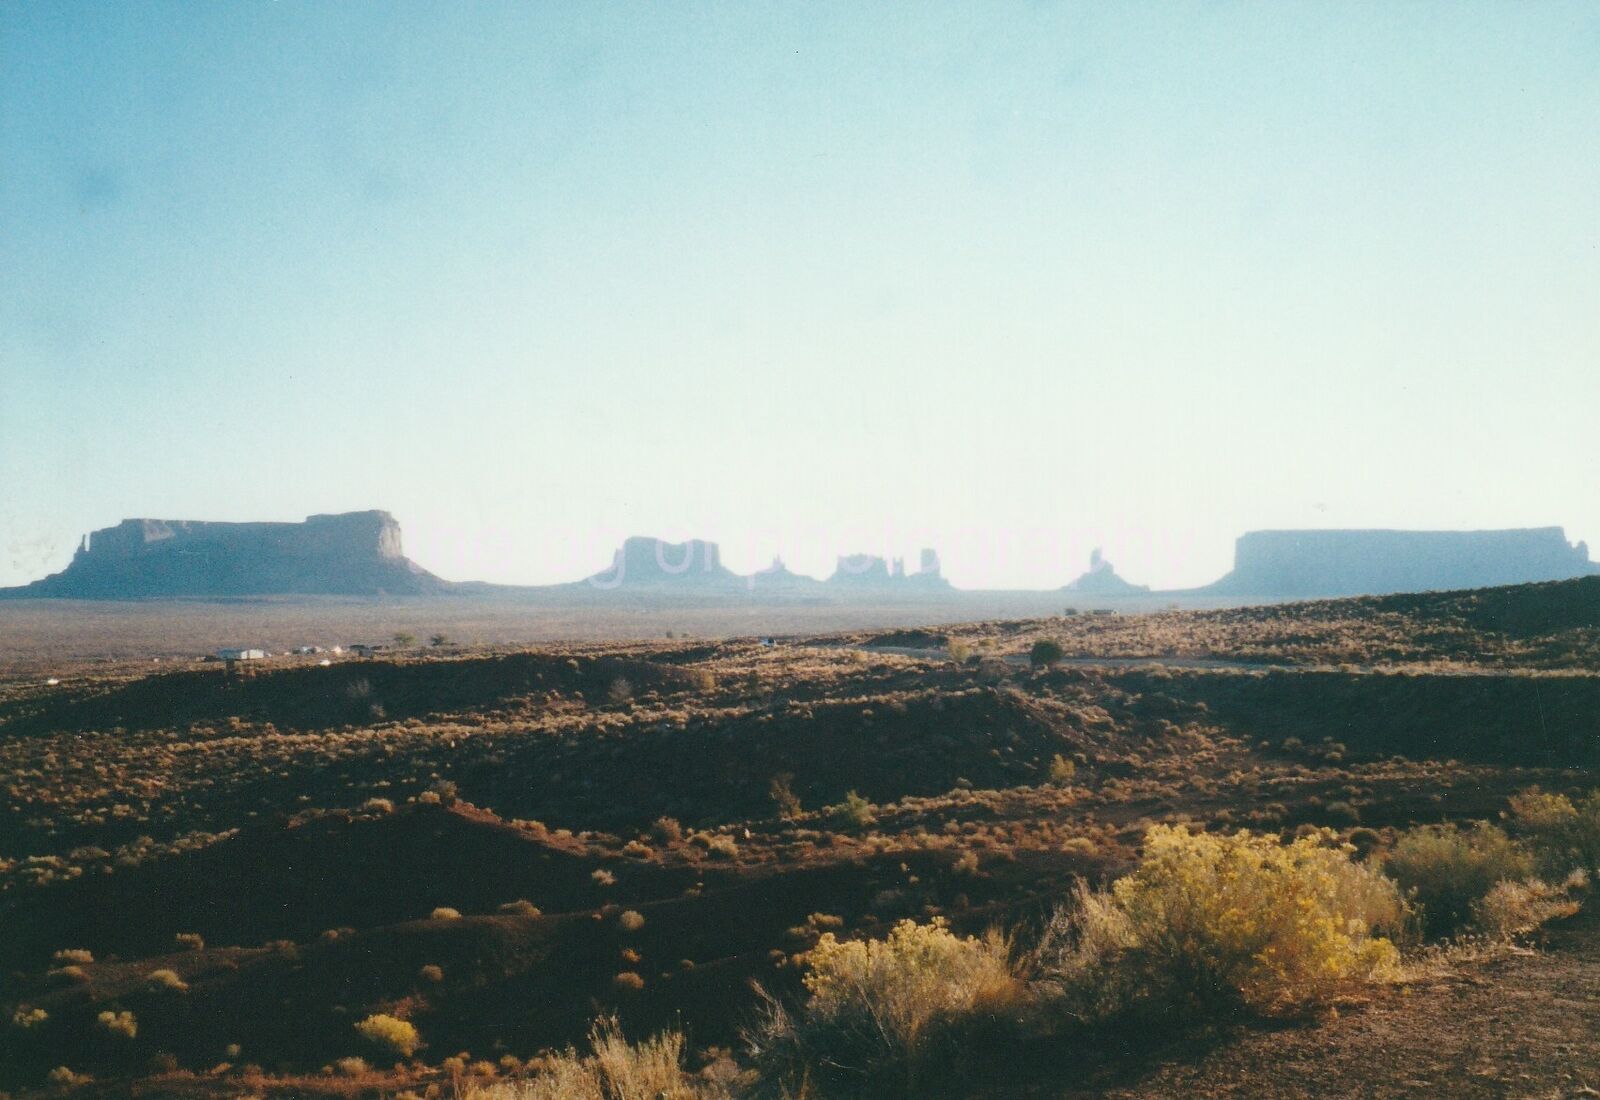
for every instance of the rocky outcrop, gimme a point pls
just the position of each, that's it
(352, 554)
(1102, 580)
(1314, 564)
(695, 566)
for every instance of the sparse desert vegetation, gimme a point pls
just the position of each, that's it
(939, 862)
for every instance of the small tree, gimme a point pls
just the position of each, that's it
(855, 810)
(1045, 653)
(1062, 770)
(404, 640)
(439, 640)
(783, 795)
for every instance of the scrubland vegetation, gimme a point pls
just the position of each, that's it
(814, 869)
(1537, 626)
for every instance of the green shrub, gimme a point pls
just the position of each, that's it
(1564, 836)
(1445, 871)
(854, 811)
(667, 830)
(882, 1014)
(1045, 653)
(1220, 922)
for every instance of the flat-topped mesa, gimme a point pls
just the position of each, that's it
(655, 562)
(860, 569)
(1314, 564)
(354, 553)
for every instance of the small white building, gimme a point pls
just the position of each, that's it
(241, 654)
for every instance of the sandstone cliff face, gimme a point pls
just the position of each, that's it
(356, 554)
(1310, 564)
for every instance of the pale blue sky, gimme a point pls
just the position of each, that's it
(1014, 280)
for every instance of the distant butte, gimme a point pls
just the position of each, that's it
(872, 571)
(353, 554)
(653, 563)
(1331, 563)
(360, 554)
(1102, 580)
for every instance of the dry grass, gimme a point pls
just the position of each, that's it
(612, 1069)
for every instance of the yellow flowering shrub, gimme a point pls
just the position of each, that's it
(1565, 836)
(921, 971)
(1536, 810)
(390, 1032)
(878, 1009)
(26, 1017)
(118, 1023)
(1217, 919)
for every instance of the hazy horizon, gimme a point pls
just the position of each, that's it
(1011, 281)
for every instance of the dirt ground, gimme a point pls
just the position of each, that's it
(1521, 1023)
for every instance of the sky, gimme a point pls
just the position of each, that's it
(1014, 280)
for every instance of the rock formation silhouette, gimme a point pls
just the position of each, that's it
(354, 554)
